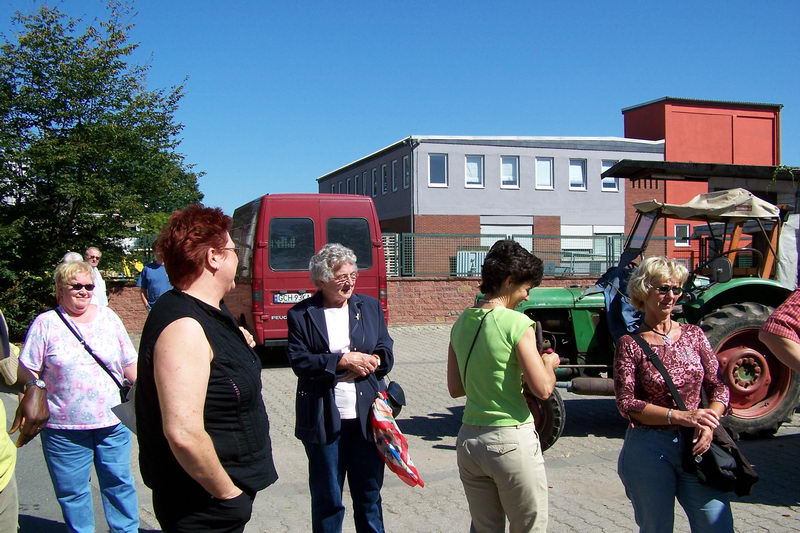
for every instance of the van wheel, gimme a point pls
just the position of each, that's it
(549, 415)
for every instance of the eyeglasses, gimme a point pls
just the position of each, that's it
(78, 286)
(93, 257)
(343, 278)
(664, 289)
(234, 248)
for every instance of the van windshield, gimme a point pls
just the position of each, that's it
(353, 233)
(291, 243)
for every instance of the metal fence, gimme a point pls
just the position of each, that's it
(448, 254)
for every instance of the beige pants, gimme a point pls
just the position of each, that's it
(9, 506)
(502, 470)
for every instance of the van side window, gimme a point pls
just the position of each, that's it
(291, 243)
(243, 233)
(353, 233)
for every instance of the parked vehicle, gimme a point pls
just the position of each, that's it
(278, 234)
(729, 293)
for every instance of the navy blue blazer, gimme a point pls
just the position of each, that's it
(318, 419)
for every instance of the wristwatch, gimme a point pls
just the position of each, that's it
(36, 383)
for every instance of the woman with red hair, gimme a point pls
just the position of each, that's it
(204, 446)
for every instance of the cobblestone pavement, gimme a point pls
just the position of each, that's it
(586, 495)
(585, 492)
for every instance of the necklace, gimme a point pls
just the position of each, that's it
(665, 335)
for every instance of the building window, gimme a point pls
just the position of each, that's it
(394, 175)
(473, 176)
(406, 172)
(608, 184)
(544, 173)
(509, 172)
(437, 170)
(682, 232)
(384, 179)
(364, 182)
(340, 187)
(349, 190)
(333, 188)
(577, 174)
(374, 182)
(355, 184)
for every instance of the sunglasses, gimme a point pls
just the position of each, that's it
(79, 286)
(664, 289)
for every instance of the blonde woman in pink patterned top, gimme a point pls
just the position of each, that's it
(650, 463)
(82, 430)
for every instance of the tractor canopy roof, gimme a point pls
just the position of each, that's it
(722, 206)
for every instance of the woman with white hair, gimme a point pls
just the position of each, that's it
(340, 349)
(651, 461)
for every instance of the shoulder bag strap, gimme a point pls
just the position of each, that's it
(653, 358)
(466, 363)
(88, 348)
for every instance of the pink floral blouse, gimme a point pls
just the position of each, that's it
(80, 394)
(691, 364)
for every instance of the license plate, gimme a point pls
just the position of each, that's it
(290, 297)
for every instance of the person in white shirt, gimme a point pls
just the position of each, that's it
(92, 256)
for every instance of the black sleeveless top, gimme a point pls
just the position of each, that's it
(234, 412)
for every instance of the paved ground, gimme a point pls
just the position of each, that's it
(585, 492)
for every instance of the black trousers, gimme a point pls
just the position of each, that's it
(179, 510)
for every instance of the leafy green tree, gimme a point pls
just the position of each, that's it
(87, 152)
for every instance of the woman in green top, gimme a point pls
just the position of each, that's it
(492, 348)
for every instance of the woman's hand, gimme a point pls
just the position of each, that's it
(358, 365)
(702, 440)
(32, 415)
(551, 359)
(699, 418)
(248, 338)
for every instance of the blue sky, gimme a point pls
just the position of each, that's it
(279, 93)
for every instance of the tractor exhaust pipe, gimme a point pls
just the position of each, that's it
(589, 386)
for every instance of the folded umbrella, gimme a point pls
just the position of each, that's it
(392, 444)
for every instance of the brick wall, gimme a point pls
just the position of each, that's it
(412, 301)
(447, 224)
(124, 298)
(440, 300)
(396, 225)
(435, 256)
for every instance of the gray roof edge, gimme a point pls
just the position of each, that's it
(360, 160)
(611, 144)
(701, 102)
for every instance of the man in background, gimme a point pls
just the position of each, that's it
(92, 256)
(32, 415)
(153, 282)
(781, 332)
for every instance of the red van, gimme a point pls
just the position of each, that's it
(277, 234)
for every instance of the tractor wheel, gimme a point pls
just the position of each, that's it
(549, 416)
(764, 392)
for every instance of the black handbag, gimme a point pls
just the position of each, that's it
(723, 466)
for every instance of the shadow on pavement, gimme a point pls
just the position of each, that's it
(596, 416)
(774, 458)
(34, 524)
(434, 426)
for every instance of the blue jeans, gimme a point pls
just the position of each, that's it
(651, 471)
(69, 455)
(357, 458)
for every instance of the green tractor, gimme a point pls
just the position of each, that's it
(729, 293)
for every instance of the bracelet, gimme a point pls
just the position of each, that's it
(669, 417)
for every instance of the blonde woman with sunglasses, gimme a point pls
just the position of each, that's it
(82, 430)
(650, 463)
